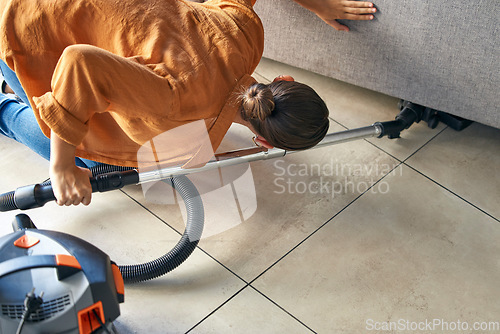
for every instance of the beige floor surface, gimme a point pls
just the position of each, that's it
(350, 238)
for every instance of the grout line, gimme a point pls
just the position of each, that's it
(439, 184)
(218, 308)
(263, 76)
(281, 308)
(338, 123)
(323, 225)
(366, 140)
(261, 79)
(151, 212)
(381, 149)
(421, 147)
(404, 160)
(453, 193)
(237, 293)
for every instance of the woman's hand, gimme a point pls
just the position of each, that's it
(71, 184)
(332, 10)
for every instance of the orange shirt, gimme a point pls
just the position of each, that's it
(109, 75)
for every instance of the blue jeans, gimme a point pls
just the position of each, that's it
(17, 120)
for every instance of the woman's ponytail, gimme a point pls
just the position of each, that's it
(257, 102)
(299, 117)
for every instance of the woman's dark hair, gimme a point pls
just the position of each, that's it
(288, 114)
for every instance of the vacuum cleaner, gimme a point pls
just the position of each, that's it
(51, 282)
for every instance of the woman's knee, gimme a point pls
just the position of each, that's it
(13, 117)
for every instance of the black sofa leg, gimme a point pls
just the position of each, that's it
(432, 117)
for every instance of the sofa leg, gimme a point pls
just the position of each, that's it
(432, 117)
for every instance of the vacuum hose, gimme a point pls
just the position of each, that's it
(106, 178)
(185, 246)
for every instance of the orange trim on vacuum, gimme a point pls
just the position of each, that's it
(67, 261)
(26, 241)
(87, 320)
(117, 275)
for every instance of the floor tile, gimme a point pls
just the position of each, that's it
(467, 163)
(250, 312)
(20, 167)
(177, 302)
(260, 78)
(294, 195)
(415, 253)
(355, 107)
(20, 164)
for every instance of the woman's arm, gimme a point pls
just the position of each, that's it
(70, 183)
(332, 10)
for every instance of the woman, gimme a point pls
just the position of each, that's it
(105, 77)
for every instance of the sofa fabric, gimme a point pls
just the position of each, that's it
(440, 54)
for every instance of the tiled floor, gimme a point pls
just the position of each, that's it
(342, 239)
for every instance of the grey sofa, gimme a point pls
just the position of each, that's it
(439, 54)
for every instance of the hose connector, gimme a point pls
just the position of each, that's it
(410, 113)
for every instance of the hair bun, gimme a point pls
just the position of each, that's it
(258, 102)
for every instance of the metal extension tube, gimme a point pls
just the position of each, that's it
(257, 153)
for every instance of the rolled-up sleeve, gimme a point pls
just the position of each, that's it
(62, 122)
